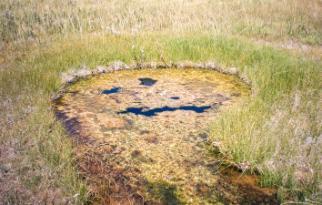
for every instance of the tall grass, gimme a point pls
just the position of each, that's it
(268, 19)
(278, 131)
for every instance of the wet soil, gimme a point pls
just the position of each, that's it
(141, 137)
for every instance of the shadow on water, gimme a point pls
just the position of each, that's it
(111, 91)
(236, 187)
(147, 81)
(155, 111)
(164, 192)
(175, 98)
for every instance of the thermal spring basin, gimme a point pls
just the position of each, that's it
(141, 135)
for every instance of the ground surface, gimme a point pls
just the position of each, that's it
(147, 130)
(276, 44)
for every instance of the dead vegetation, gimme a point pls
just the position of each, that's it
(279, 133)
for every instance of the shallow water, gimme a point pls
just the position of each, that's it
(153, 112)
(142, 137)
(111, 91)
(147, 81)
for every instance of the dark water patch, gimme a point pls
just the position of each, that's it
(155, 111)
(248, 190)
(175, 98)
(112, 90)
(147, 81)
(238, 187)
(72, 126)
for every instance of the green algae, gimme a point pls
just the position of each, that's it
(163, 158)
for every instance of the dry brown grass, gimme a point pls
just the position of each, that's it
(269, 19)
(37, 152)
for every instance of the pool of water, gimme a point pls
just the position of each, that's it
(175, 98)
(111, 91)
(147, 81)
(142, 136)
(154, 111)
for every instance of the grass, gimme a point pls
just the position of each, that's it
(270, 19)
(278, 131)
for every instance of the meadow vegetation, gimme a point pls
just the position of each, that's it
(278, 132)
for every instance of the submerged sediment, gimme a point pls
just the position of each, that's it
(142, 136)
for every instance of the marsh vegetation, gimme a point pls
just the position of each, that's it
(275, 44)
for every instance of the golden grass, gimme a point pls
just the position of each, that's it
(38, 42)
(269, 19)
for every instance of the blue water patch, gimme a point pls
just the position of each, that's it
(112, 90)
(155, 111)
(147, 81)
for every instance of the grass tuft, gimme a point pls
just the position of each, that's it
(278, 131)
